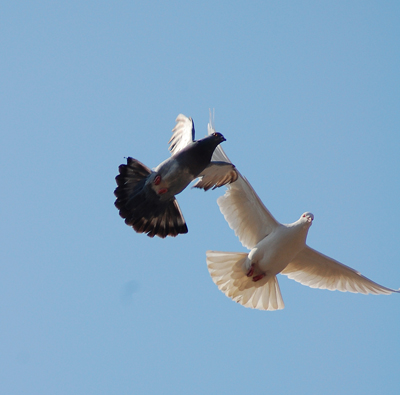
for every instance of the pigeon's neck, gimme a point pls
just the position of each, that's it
(197, 156)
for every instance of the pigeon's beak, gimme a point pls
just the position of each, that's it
(219, 137)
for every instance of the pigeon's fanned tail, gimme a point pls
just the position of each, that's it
(141, 207)
(168, 223)
(130, 180)
(226, 271)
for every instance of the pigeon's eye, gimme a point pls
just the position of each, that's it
(304, 215)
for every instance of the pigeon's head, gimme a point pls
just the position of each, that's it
(218, 137)
(307, 217)
(209, 143)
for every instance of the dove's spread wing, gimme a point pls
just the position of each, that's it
(219, 155)
(316, 270)
(242, 208)
(215, 175)
(245, 213)
(183, 134)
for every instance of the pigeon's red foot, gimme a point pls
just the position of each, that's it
(157, 180)
(250, 272)
(162, 191)
(258, 277)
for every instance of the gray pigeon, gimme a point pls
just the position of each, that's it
(146, 198)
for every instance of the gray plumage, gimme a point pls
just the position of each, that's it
(146, 198)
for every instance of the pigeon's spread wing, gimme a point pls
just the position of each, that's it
(183, 134)
(316, 270)
(215, 175)
(245, 213)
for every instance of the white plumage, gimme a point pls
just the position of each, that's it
(250, 278)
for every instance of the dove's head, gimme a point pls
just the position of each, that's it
(307, 217)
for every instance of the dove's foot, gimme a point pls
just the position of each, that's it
(157, 180)
(258, 277)
(250, 272)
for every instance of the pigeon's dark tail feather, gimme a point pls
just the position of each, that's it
(168, 223)
(131, 178)
(141, 207)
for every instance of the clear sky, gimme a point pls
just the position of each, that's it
(307, 95)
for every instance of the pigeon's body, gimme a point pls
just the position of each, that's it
(250, 278)
(178, 171)
(146, 198)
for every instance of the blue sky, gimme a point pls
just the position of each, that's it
(307, 96)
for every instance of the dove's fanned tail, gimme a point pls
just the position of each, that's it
(226, 271)
(141, 207)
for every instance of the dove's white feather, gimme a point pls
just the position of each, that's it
(218, 155)
(274, 248)
(316, 270)
(245, 213)
(242, 208)
(226, 271)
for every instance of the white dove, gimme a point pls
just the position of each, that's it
(250, 279)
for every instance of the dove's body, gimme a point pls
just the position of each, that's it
(273, 253)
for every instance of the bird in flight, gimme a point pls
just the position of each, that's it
(146, 198)
(250, 278)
